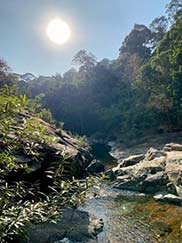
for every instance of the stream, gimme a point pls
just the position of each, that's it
(130, 217)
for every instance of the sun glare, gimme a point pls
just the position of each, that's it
(58, 31)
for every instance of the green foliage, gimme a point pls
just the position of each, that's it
(136, 42)
(22, 201)
(6, 78)
(46, 115)
(158, 27)
(16, 212)
(173, 9)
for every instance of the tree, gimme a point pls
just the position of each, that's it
(173, 9)
(84, 60)
(70, 76)
(5, 77)
(136, 42)
(158, 28)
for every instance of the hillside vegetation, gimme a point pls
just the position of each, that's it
(38, 163)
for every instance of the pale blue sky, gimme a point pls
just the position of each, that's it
(98, 26)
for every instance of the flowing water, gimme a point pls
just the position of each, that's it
(134, 218)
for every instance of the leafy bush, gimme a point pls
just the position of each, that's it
(23, 201)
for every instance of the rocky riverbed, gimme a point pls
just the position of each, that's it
(141, 203)
(158, 172)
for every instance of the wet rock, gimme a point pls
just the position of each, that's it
(163, 228)
(74, 226)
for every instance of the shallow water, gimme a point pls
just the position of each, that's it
(134, 218)
(130, 217)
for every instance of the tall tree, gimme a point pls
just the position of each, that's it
(158, 28)
(136, 42)
(84, 60)
(174, 9)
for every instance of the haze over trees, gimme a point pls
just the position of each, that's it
(139, 91)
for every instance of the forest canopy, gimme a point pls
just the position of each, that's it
(139, 91)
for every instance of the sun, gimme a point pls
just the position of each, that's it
(58, 31)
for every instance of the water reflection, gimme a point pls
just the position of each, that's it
(101, 152)
(131, 218)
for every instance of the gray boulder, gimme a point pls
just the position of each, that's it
(158, 171)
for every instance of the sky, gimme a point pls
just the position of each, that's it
(98, 26)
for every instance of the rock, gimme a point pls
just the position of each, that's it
(172, 147)
(20, 158)
(132, 160)
(155, 182)
(58, 143)
(147, 184)
(158, 171)
(163, 228)
(154, 153)
(95, 167)
(74, 226)
(142, 176)
(65, 240)
(126, 183)
(174, 170)
(169, 198)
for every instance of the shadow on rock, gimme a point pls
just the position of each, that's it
(74, 225)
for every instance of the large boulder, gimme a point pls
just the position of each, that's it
(174, 170)
(73, 226)
(58, 146)
(158, 171)
(147, 176)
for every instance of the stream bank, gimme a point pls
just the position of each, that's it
(129, 217)
(135, 217)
